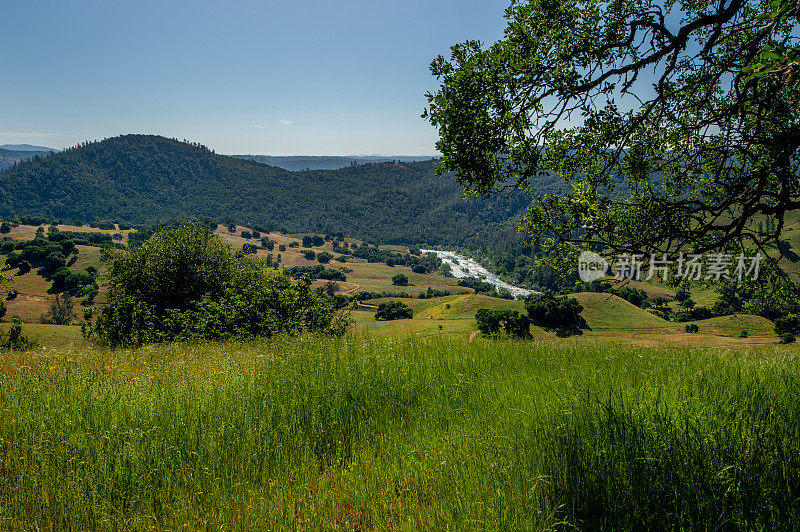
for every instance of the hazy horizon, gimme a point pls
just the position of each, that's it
(284, 79)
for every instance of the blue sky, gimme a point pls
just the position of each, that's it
(282, 78)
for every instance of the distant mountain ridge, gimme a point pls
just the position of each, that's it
(147, 178)
(25, 147)
(298, 163)
(10, 156)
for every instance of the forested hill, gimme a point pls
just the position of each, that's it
(145, 179)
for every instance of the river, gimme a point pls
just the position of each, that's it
(462, 267)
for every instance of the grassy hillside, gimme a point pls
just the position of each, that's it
(609, 317)
(364, 433)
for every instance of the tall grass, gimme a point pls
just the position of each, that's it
(363, 433)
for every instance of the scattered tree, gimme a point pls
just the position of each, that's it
(393, 310)
(400, 279)
(61, 311)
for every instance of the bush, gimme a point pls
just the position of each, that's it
(186, 284)
(789, 324)
(12, 294)
(5, 227)
(309, 254)
(561, 314)
(692, 328)
(3, 309)
(15, 340)
(516, 325)
(634, 296)
(400, 279)
(393, 310)
(323, 257)
(787, 338)
(743, 334)
(249, 249)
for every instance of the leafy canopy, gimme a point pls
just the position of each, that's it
(187, 284)
(676, 124)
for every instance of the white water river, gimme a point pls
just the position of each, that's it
(465, 267)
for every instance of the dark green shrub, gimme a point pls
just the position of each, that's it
(561, 314)
(393, 310)
(186, 284)
(247, 235)
(787, 338)
(692, 328)
(743, 334)
(80, 284)
(634, 296)
(787, 324)
(489, 321)
(12, 294)
(682, 295)
(400, 279)
(249, 249)
(5, 227)
(58, 278)
(15, 340)
(323, 257)
(515, 324)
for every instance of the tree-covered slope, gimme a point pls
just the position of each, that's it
(145, 179)
(8, 157)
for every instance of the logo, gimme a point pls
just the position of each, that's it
(591, 266)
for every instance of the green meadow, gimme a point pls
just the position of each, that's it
(400, 433)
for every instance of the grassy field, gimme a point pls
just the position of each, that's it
(363, 432)
(610, 319)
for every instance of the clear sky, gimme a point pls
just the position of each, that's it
(281, 78)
